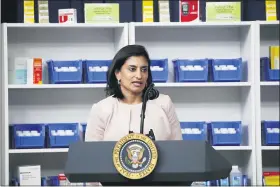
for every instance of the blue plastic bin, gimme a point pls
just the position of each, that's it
(53, 181)
(84, 126)
(159, 70)
(22, 140)
(270, 132)
(65, 72)
(191, 70)
(222, 133)
(227, 70)
(59, 141)
(268, 74)
(96, 70)
(194, 130)
(44, 181)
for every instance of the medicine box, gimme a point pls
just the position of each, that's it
(43, 11)
(29, 11)
(271, 178)
(101, 12)
(17, 68)
(35, 71)
(29, 175)
(67, 16)
(274, 57)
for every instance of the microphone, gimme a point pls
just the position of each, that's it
(153, 93)
(150, 94)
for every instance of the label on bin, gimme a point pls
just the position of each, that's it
(191, 131)
(27, 133)
(225, 68)
(156, 68)
(273, 130)
(98, 68)
(224, 131)
(66, 69)
(191, 68)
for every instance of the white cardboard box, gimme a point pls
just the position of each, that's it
(67, 16)
(29, 175)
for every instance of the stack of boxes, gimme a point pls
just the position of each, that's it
(274, 57)
(25, 70)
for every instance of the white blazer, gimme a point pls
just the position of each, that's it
(110, 119)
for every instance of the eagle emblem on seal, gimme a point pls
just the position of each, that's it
(134, 156)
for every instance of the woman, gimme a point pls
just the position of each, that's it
(115, 116)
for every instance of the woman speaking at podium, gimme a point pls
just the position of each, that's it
(118, 114)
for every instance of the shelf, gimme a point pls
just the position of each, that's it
(57, 25)
(55, 86)
(63, 150)
(233, 148)
(191, 24)
(270, 148)
(276, 83)
(20, 151)
(262, 23)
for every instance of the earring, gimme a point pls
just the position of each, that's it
(119, 82)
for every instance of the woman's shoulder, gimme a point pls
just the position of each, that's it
(164, 100)
(105, 104)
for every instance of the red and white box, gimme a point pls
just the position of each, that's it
(189, 11)
(35, 71)
(67, 16)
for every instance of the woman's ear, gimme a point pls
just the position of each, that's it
(118, 75)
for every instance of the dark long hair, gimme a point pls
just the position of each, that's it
(112, 88)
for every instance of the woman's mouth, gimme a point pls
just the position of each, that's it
(137, 83)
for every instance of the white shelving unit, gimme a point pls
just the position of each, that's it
(24, 104)
(267, 98)
(1, 106)
(249, 101)
(232, 102)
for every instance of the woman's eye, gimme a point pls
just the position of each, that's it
(132, 69)
(144, 69)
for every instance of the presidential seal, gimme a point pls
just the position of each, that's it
(135, 156)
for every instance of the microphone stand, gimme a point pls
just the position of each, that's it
(151, 134)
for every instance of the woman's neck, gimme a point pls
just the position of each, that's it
(132, 99)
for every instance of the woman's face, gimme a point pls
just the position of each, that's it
(133, 75)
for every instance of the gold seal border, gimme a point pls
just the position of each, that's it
(122, 142)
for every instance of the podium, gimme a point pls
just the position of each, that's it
(179, 163)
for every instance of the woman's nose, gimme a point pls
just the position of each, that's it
(139, 74)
